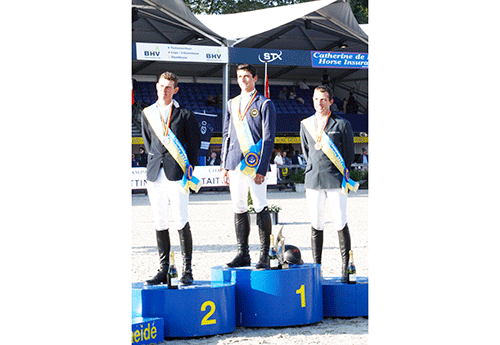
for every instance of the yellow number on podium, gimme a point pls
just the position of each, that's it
(205, 320)
(302, 292)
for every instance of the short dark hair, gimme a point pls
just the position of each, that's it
(324, 88)
(248, 67)
(170, 76)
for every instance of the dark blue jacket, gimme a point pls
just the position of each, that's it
(262, 124)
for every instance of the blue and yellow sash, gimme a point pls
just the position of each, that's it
(250, 150)
(331, 151)
(175, 148)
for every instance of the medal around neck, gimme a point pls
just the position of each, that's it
(318, 146)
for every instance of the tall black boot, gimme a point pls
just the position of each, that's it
(186, 240)
(242, 229)
(163, 242)
(265, 229)
(345, 247)
(316, 245)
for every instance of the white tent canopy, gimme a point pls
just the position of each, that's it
(332, 15)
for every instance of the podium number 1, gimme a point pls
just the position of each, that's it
(302, 292)
(205, 320)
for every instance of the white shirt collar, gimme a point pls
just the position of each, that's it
(174, 103)
(245, 98)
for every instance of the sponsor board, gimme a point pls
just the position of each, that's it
(339, 60)
(210, 176)
(181, 53)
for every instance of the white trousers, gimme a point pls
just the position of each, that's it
(316, 201)
(162, 192)
(239, 185)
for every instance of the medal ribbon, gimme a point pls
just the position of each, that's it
(319, 135)
(332, 152)
(241, 117)
(175, 148)
(166, 126)
(250, 150)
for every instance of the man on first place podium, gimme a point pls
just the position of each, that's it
(247, 143)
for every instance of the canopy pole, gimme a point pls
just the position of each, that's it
(226, 81)
(225, 89)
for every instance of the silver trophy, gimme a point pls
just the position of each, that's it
(280, 247)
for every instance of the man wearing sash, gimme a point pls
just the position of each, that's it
(328, 147)
(172, 139)
(248, 141)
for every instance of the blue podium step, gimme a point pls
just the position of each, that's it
(274, 298)
(345, 300)
(204, 308)
(147, 330)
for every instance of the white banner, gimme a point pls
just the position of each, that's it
(183, 53)
(210, 176)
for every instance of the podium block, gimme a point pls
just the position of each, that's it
(274, 298)
(147, 330)
(345, 300)
(204, 308)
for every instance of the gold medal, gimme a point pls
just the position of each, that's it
(166, 125)
(318, 146)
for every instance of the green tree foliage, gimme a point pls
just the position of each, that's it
(360, 10)
(359, 7)
(234, 6)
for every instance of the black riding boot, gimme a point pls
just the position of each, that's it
(345, 247)
(186, 241)
(163, 242)
(242, 229)
(265, 229)
(316, 245)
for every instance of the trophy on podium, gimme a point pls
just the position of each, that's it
(280, 247)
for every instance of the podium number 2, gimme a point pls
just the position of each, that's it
(205, 320)
(302, 292)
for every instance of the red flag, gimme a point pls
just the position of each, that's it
(267, 94)
(133, 100)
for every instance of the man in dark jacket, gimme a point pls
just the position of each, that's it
(324, 137)
(172, 138)
(143, 159)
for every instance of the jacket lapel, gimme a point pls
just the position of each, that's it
(332, 120)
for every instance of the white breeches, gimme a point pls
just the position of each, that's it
(161, 192)
(239, 185)
(316, 201)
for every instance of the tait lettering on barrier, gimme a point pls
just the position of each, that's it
(211, 181)
(143, 334)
